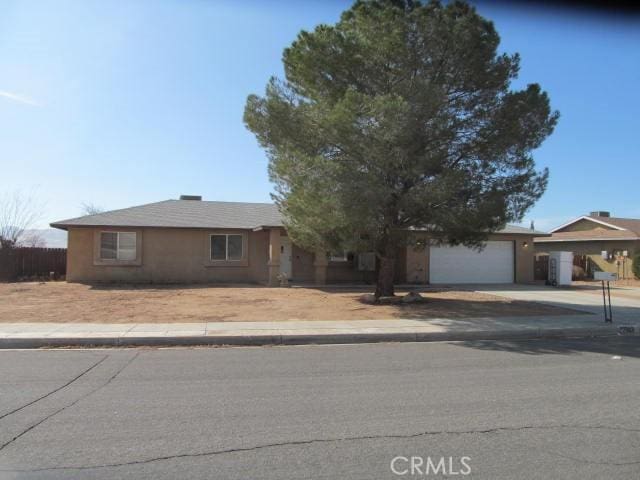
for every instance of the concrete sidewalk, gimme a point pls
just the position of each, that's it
(35, 335)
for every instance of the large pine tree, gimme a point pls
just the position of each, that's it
(400, 116)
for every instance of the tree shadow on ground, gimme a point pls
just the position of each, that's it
(615, 345)
(460, 308)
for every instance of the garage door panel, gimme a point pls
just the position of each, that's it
(459, 264)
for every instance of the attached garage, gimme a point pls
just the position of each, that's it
(459, 264)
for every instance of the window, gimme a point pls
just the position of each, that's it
(118, 246)
(126, 246)
(226, 247)
(338, 256)
(109, 245)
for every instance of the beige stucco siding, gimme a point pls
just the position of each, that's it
(417, 263)
(167, 256)
(302, 265)
(347, 272)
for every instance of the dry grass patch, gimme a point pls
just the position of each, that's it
(75, 303)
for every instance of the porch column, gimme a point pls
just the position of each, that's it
(274, 257)
(320, 263)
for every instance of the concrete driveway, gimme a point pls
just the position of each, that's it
(625, 306)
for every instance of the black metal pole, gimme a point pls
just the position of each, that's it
(604, 302)
(610, 312)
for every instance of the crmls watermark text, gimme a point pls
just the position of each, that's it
(414, 466)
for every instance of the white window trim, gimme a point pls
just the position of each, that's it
(336, 258)
(226, 259)
(117, 246)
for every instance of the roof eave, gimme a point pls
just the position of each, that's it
(527, 233)
(60, 226)
(589, 239)
(66, 226)
(260, 228)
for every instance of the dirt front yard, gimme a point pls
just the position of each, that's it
(66, 302)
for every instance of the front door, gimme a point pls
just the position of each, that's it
(285, 256)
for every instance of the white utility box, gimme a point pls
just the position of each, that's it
(560, 268)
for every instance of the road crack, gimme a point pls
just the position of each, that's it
(27, 430)
(54, 391)
(329, 440)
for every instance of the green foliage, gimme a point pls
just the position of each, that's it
(636, 265)
(400, 116)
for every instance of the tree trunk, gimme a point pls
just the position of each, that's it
(386, 272)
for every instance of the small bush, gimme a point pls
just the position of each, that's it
(636, 265)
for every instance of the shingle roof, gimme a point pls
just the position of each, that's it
(202, 214)
(183, 214)
(517, 230)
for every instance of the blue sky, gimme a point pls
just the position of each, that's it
(124, 103)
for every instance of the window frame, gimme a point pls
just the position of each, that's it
(226, 247)
(337, 258)
(117, 258)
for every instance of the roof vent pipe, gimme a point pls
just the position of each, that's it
(600, 213)
(190, 197)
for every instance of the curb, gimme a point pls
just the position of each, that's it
(316, 339)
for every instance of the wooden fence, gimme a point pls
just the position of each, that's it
(32, 263)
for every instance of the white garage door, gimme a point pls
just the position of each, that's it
(460, 264)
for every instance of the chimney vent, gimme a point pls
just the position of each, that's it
(600, 213)
(190, 197)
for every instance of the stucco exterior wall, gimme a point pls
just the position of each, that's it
(167, 256)
(417, 262)
(347, 272)
(302, 265)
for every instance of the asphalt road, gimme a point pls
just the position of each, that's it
(514, 410)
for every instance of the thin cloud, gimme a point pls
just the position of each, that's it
(19, 98)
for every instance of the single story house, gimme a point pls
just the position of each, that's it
(598, 241)
(190, 241)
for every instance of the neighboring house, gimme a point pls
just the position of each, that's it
(190, 240)
(598, 241)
